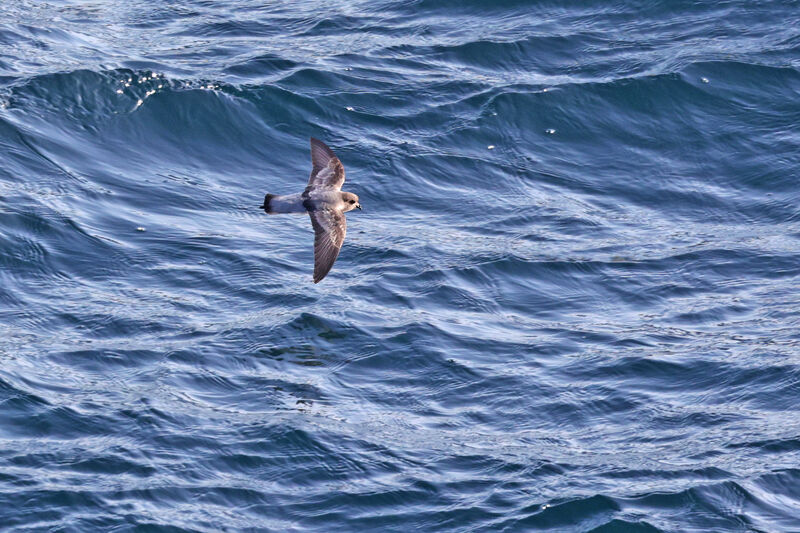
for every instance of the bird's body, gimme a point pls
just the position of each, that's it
(324, 202)
(302, 203)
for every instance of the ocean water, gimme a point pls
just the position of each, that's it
(570, 302)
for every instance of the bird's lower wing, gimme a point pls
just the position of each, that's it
(330, 227)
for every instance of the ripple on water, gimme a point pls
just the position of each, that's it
(569, 303)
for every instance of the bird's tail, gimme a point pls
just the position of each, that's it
(267, 199)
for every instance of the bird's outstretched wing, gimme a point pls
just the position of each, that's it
(330, 227)
(326, 171)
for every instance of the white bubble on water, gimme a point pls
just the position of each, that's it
(550, 131)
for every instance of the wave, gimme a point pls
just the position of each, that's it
(569, 302)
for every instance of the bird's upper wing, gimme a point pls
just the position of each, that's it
(326, 171)
(330, 227)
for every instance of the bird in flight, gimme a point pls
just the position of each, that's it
(324, 201)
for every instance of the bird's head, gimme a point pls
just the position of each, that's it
(350, 201)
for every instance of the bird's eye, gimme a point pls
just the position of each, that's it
(352, 201)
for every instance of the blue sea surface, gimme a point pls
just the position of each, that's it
(570, 303)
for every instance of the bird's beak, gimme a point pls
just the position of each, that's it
(358, 206)
(261, 207)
